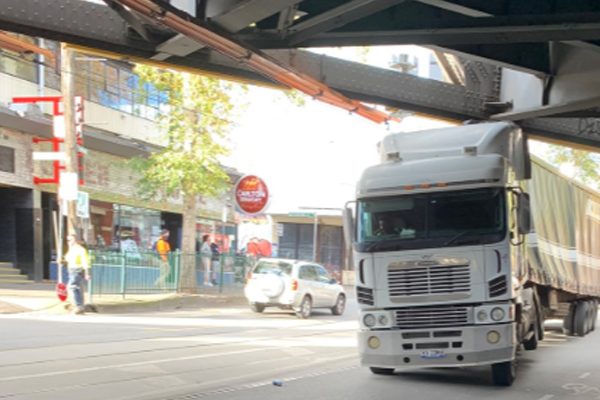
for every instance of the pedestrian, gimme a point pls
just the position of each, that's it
(163, 248)
(216, 260)
(206, 254)
(78, 265)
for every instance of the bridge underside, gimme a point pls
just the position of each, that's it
(532, 62)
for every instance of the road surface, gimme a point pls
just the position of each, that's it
(232, 353)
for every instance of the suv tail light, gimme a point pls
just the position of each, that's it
(248, 277)
(293, 284)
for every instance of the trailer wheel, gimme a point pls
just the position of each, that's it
(591, 315)
(540, 320)
(595, 314)
(532, 344)
(588, 317)
(580, 320)
(568, 320)
(504, 373)
(382, 371)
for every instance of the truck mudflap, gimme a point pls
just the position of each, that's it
(447, 347)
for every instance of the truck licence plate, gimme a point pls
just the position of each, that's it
(432, 354)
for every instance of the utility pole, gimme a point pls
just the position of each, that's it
(70, 179)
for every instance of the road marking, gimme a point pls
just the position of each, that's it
(136, 364)
(180, 329)
(546, 397)
(583, 376)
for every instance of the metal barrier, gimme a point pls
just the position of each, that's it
(147, 272)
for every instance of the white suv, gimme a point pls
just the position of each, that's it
(296, 285)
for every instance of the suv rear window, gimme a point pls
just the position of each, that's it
(270, 267)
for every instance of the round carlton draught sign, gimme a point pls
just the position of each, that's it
(251, 195)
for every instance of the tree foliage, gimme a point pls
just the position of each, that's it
(586, 164)
(196, 120)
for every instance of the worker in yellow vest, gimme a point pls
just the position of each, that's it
(78, 265)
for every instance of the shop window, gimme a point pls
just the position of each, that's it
(7, 159)
(297, 242)
(330, 246)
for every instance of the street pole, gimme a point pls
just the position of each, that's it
(315, 228)
(71, 158)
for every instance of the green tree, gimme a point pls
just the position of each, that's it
(585, 163)
(196, 119)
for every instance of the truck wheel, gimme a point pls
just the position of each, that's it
(568, 320)
(504, 373)
(257, 307)
(580, 320)
(532, 344)
(382, 371)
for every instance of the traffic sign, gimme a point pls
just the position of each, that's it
(301, 214)
(49, 156)
(83, 205)
(61, 291)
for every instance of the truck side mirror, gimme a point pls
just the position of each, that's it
(524, 214)
(348, 226)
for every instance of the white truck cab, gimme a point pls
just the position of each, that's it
(438, 232)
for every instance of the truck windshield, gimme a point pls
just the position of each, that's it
(441, 219)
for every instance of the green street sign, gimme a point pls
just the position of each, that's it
(301, 214)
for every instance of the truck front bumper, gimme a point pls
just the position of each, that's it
(443, 347)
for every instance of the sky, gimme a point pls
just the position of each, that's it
(311, 156)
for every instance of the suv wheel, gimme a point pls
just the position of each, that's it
(305, 308)
(257, 307)
(340, 305)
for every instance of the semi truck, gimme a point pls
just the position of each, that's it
(463, 244)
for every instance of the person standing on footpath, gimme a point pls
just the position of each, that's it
(206, 255)
(163, 247)
(78, 265)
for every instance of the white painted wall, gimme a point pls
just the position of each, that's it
(96, 115)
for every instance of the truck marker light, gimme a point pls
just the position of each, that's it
(410, 187)
(481, 316)
(442, 184)
(493, 337)
(374, 342)
(425, 186)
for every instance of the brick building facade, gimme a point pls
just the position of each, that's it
(27, 210)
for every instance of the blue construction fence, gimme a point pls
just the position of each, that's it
(149, 272)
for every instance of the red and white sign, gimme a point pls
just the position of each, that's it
(61, 291)
(251, 195)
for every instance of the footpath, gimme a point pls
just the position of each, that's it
(41, 298)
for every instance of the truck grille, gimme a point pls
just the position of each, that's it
(439, 279)
(364, 296)
(497, 286)
(430, 317)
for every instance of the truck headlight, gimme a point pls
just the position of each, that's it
(369, 320)
(482, 316)
(497, 314)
